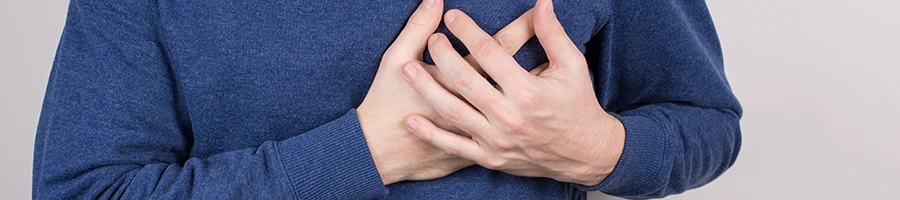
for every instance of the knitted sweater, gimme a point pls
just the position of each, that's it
(223, 99)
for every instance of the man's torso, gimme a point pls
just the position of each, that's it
(252, 71)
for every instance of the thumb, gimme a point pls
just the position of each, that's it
(410, 44)
(553, 38)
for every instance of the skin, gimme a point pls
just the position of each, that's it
(543, 123)
(399, 155)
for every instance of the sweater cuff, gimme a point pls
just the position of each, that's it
(332, 161)
(642, 158)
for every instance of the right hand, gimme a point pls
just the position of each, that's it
(399, 155)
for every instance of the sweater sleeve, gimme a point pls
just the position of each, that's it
(657, 66)
(113, 127)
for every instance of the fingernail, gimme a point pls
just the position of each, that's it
(428, 3)
(449, 17)
(433, 38)
(411, 124)
(409, 71)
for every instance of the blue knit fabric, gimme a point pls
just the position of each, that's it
(223, 99)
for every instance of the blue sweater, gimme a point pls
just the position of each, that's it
(220, 99)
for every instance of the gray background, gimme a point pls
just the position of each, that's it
(817, 78)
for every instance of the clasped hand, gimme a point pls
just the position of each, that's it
(547, 123)
(542, 123)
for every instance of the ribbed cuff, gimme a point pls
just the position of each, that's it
(332, 161)
(642, 159)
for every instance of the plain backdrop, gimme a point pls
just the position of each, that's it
(818, 80)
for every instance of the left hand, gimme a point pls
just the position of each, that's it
(547, 123)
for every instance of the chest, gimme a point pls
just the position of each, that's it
(269, 70)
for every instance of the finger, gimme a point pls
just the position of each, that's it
(442, 80)
(448, 106)
(464, 79)
(410, 44)
(438, 120)
(553, 37)
(511, 38)
(516, 33)
(447, 141)
(493, 58)
(472, 62)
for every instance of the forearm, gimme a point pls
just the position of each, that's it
(658, 68)
(331, 161)
(670, 148)
(115, 124)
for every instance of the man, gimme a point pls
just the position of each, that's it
(215, 100)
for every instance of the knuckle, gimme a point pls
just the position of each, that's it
(452, 150)
(462, 81)
(530, 100)
(419, 20)
(495, 106)
(505, 144)
(418, 84)
(429, 135)
(452, 114)
(495, 163)
(425, 134)
(507, 42)
(416, 23)
(557, 31)
(513, 124)
(484, 48)
(528, 97)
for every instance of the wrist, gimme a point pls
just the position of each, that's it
(388, 178)
(611, 138)
(385, 167)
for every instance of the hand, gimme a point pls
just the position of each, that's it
(547, 123)
(397, 154)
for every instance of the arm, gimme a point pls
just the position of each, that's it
(658, 66)
(657, 119)
(114, 126)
